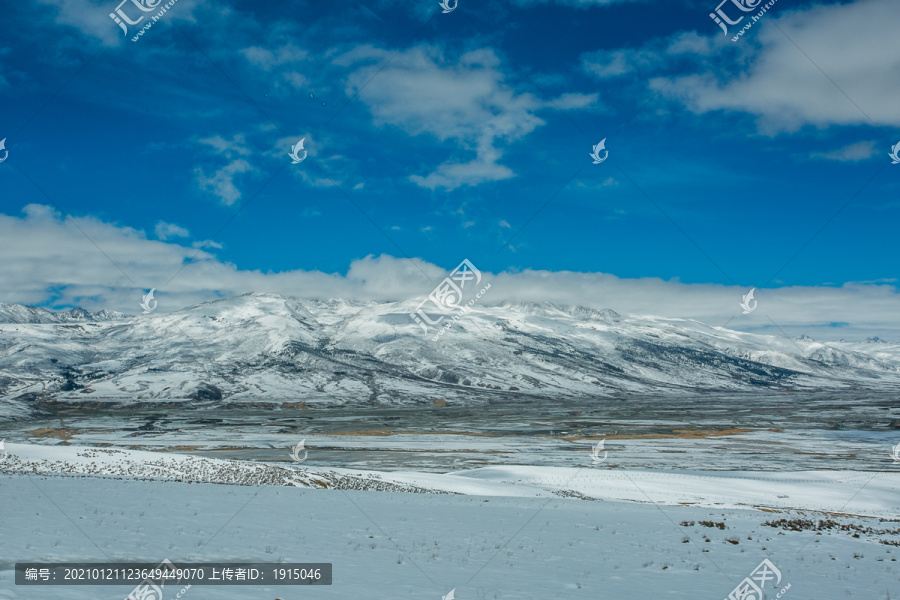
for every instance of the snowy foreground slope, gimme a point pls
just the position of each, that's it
(511, 533)
(270, 348)
(826, 491)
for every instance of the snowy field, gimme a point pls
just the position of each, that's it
(502, 532)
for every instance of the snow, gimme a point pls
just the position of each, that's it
(332, 352)
(502, 533)
(502, 502)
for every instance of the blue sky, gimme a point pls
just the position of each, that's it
(762, 162)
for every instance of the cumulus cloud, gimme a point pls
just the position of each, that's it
(467, 102)
(222, 182)
(453, 175)
(794, 68)
(58, 260)
(784, 85)
(91, 17)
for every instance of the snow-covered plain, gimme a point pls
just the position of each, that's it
(500, 532)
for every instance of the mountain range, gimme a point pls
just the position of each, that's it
(270, 348)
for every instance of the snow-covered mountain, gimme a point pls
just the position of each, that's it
(268, 348)
(19, 313)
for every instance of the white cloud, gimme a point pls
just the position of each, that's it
(91, 17)
(852, 153)
(453, 175)
(207, 244)
(614, 63)
(296, 80)
(48, 259)
(576, 101)
(589, 185)
(664, 53)
(164, 231)
(467, 102)
(266, 59)
(786, 91)
(222, 182)
(237, 145)
(279, 66)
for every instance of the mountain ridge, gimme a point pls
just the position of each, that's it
(20, 314)
(285, 349)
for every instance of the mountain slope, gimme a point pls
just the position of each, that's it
(269, 348)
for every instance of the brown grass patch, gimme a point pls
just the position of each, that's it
(685, 434)
(386, 432)
(53, 432)
(678, 433)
